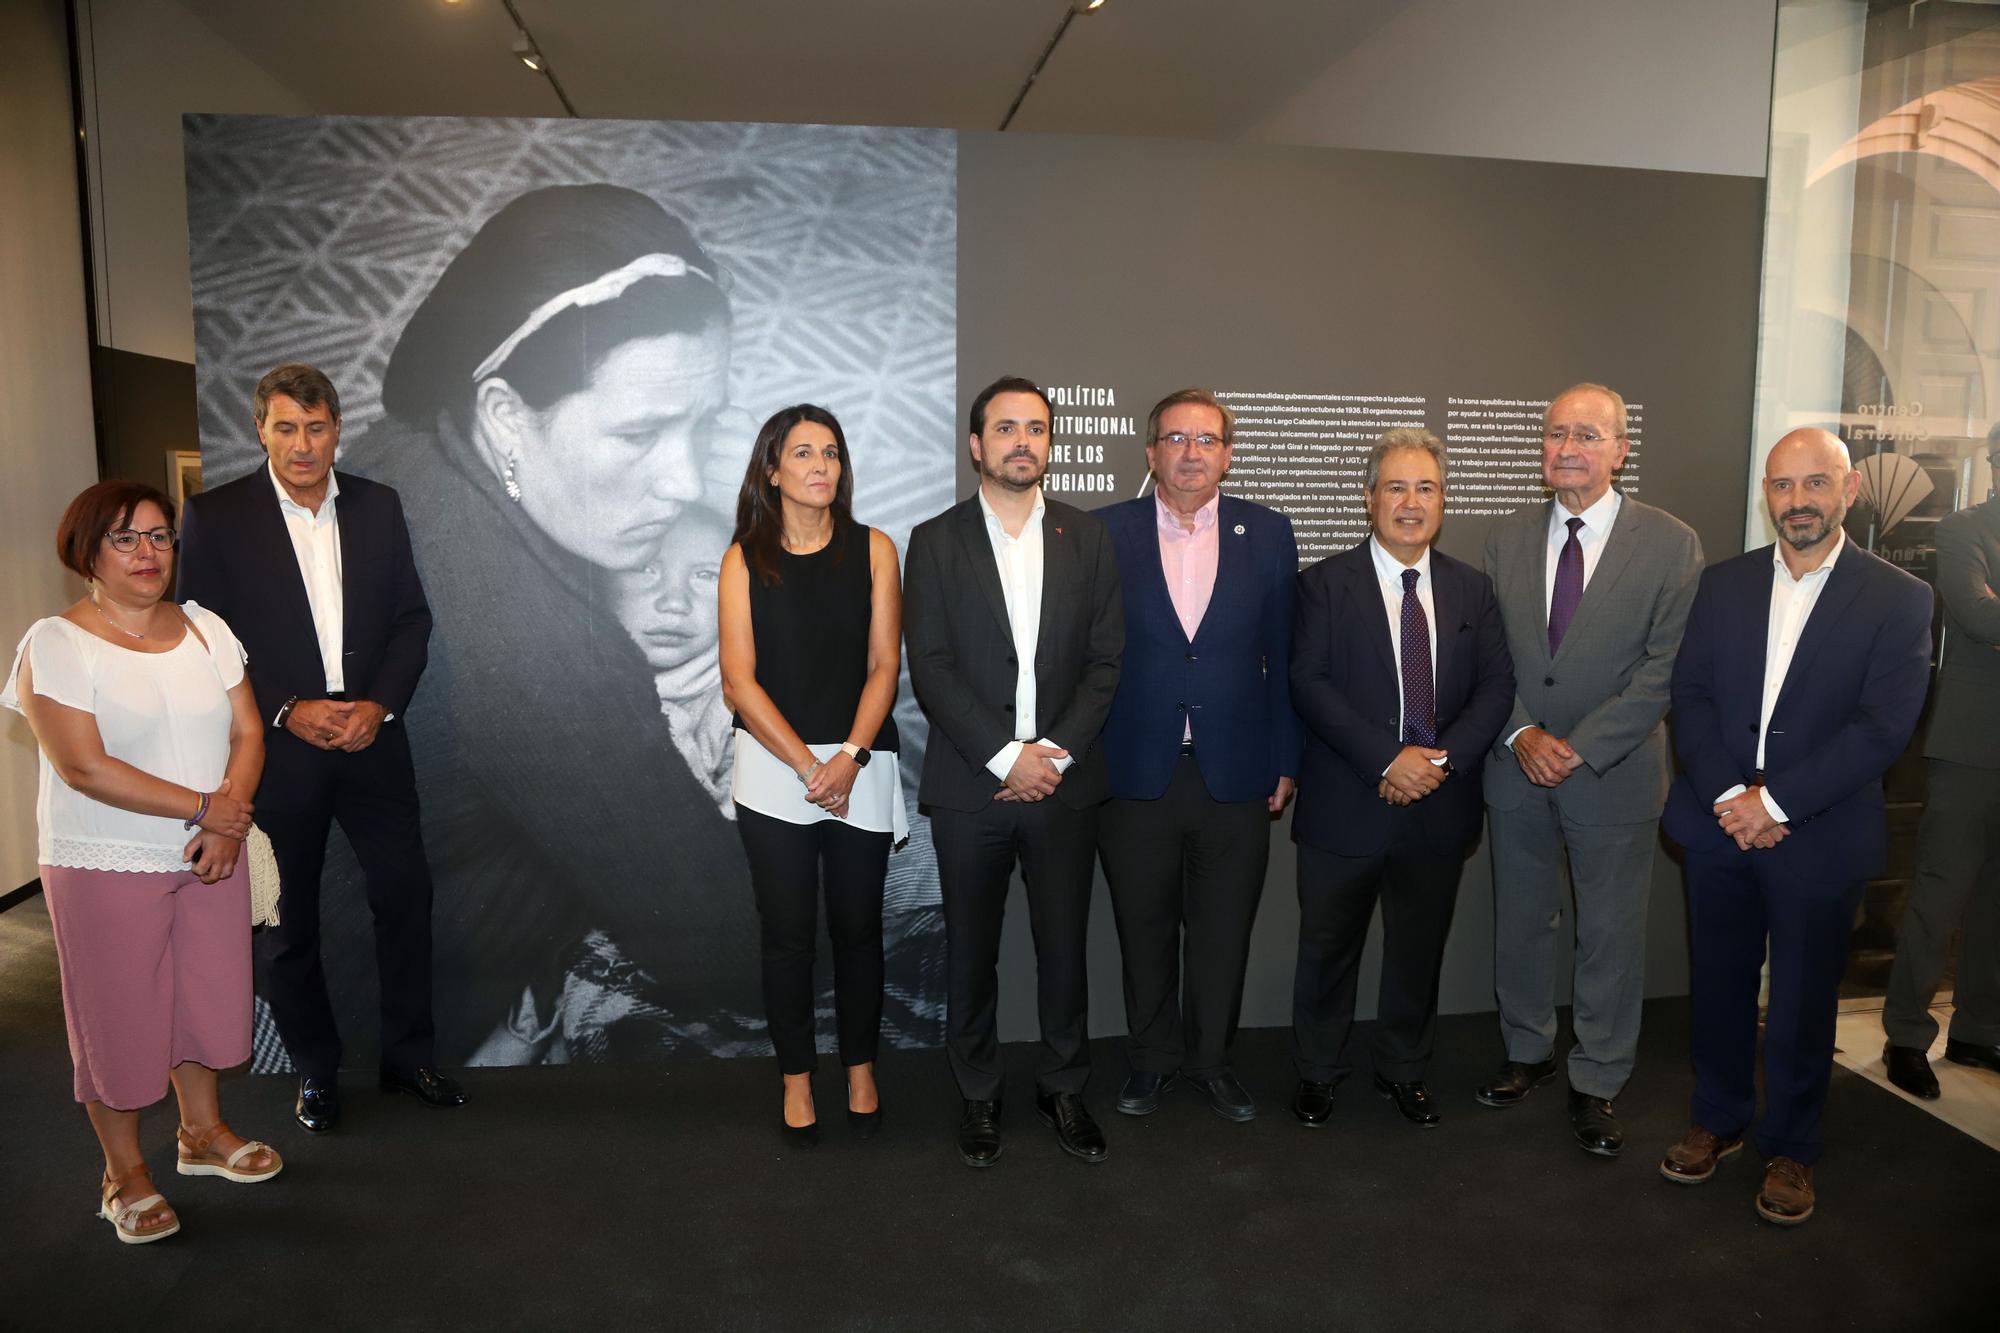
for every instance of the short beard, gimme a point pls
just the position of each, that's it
(1825, 529)
(1005, 482)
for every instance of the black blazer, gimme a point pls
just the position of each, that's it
(961, 647)
(1844, 712)
(237, 560)
(1965, 721)
(1344, 685)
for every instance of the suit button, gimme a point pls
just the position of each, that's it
(1190, 657)
(1181, 706)
(1009, 707)
(1013, 660)
(1752, 728)
(1548, 680)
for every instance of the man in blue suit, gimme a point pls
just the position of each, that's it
(1799, 681)
(1401, 672)
(1202, 746)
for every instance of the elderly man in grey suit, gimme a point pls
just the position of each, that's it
(1594, 588)
(1958, 842)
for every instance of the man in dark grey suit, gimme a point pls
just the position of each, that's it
(1958, 842)
(1015, 626)
(1594, 588)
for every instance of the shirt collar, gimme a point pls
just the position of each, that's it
(993, 519)
(1778, 558)
(1390, 570)
(1597, 519)
(285, 501)
(1204, 517)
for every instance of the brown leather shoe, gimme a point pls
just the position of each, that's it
(1787, 1196)
(1694, 1158)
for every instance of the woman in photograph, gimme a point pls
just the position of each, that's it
(151, 750)
(811, 629)
(551, 404)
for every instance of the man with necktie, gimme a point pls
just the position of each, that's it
(1399, 662)
(1594, 587)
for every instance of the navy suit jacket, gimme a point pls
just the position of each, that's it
(237, 560)
(1230, 682)
(1344, 682)
(1844, 712)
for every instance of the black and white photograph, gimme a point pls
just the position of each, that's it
(556, 341)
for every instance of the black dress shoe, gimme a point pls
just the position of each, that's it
(1313, 1102)
(1075, 1130)
(979, 1134)
(1141, 1093)
(427, 1085)
(1514, 1081)
(1226, 1097)
(1909, 1070)
(318, 1107)
(1972, 1053)
(1412, 1099)
(1593, 1124)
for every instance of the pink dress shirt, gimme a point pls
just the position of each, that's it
(1188, 560)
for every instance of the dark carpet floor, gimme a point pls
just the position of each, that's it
(660, 1197)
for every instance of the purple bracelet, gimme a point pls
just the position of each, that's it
(200, 811)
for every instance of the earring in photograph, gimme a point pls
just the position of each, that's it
(507, 481)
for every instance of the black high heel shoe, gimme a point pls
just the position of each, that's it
(800, 1136)
(865, 1124)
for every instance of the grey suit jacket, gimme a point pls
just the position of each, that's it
(1605, 692)
(1965, 728)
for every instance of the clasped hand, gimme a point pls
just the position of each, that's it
(223, 826)
(1745, 819)
(829, 784)
(1412, 775)
(1546, 759)
(1034, 775)
(336, 724)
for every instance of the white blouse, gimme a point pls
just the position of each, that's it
(166, 714)
(765, 783)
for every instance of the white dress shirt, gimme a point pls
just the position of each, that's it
(1389, 577)
(1596, 530)
(316, 543)
(1020, 562)
(1792, 603)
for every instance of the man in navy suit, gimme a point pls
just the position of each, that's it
(1799, 681)
(1202, 745)
(312, 569)
(1401, 672)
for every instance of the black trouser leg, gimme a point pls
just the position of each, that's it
(1958, 863)
(1419, 894)
(376, 805)
(1058, 850)
(784, 876)
(1142, 847)
(975, 854)
(1336, 899)
(1228, 849)
(294, 976)
(857, 863)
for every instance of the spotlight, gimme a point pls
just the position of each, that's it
(1086, 6)
(525, 49)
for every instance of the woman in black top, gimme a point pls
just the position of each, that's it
(811, 625)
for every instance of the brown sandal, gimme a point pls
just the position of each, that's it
(196, 1159)
(126, 1217)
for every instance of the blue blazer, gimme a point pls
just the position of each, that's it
(1344, 680)
(1229, 681)
(1844, 713)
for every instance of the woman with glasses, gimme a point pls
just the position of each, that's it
(811, 633)
(151, 750)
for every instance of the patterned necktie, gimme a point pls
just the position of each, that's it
(1419, 690)
(1569, 587)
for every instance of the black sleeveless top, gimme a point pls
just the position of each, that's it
(811, 633)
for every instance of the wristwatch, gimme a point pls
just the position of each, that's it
(856, 753)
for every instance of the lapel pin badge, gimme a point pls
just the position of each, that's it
(1239, 529)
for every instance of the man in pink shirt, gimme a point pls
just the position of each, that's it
(1202, 745)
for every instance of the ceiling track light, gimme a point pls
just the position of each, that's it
(1086, 6)
(1076, 7)
(525, 50)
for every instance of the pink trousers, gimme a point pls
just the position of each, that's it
(155, 971)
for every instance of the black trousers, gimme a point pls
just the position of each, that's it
(1957, 888)
(1054, 846)
(1418, 890)
(372, 795)
(1186, 873)
(790, 866)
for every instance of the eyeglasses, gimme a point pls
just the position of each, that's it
(127, 539)
(1585, 436)
(1181, 440)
